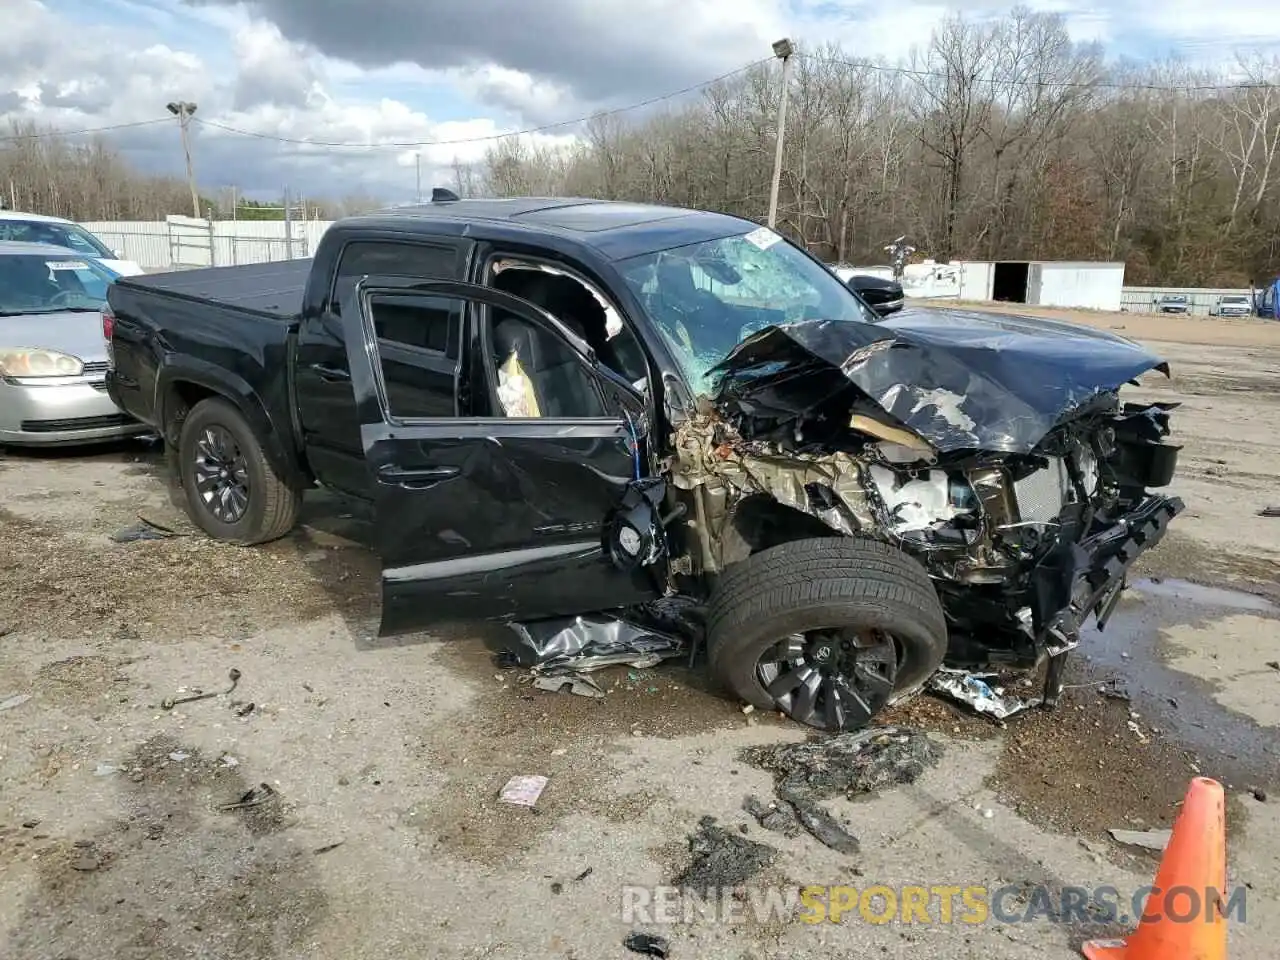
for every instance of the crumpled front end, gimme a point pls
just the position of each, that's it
(1027, 508)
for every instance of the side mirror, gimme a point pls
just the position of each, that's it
(882, 296)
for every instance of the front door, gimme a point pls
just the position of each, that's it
(493, 508)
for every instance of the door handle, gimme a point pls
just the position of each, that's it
(331, 374)
(415, 479)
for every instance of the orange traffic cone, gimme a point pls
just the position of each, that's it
(1194, 865)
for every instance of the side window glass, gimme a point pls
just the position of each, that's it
(385, 259)
(536, 374)
(414, 334)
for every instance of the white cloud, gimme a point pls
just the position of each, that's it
(283, 70)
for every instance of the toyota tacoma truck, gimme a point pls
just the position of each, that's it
(558, 407)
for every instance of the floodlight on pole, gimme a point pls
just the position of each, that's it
(782, 49)
(183, 109)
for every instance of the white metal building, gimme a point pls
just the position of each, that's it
(1089, 285)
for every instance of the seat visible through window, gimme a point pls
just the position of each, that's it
(540, 376)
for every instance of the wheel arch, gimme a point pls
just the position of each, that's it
(181, 388)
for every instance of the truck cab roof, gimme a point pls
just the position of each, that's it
(615, 229)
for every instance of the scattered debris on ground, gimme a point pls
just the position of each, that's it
(647, 943)
(847, 764)
(233, 675)
(1147, 839)
(579, 684)
(523, 791)
(974, 690)
(17, 700)
(575, 645)
(144, 529)
(777, 817)
(1272, 511)
(721, 858)
(262, 793)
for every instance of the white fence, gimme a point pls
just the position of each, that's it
(179, 242)
(1200, 300)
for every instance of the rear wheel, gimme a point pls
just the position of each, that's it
(827, 630)
(231, 491)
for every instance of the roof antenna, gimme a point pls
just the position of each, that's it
(441, 195)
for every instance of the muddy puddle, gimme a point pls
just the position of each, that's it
(1175, 647)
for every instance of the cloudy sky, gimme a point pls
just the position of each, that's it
(387, 74)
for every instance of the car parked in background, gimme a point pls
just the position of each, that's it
(36, 228)
(53, 357)
(1173, 303)
(1232, 305)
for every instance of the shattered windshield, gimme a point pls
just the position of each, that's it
(707, 297)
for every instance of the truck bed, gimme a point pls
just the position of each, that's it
(267, 289)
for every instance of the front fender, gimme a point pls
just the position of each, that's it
(211, 379)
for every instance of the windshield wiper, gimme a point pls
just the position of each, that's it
(44, 311)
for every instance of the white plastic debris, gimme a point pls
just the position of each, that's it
(178, 756)
(17, 700)
(105, 770)
(523, 791)
(1147, 839)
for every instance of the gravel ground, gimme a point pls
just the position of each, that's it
(381, 832)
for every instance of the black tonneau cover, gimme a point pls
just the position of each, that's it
(271, 289)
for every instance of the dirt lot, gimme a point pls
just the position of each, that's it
(114, 843)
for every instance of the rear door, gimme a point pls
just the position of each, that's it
(327, 416)
(481, 514)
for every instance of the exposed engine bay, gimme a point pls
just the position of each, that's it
(1020, 482)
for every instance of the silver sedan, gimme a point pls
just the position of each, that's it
(53, 356)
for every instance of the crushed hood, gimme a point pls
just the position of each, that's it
(960, 379)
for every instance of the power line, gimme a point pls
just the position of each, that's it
(1027, 82)
(82, 133)
(493, 136)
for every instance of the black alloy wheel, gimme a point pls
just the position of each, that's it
(221, 475)
(833, 679)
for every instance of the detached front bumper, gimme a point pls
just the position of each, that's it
(1088, 580)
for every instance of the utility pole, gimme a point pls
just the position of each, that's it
(782, 49)
(417, 162)
(183, 109)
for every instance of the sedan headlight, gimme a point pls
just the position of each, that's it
(32, 362)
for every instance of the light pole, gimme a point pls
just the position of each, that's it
(417, 163)
(783, 50)
(183, 109)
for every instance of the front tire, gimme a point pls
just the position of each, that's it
(231, 491)
(828, 631)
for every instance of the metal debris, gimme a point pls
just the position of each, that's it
(647, 943)
(1273, 511)
(722, 858)
(259, 795)
(575, 645)
(327, 848)
(973, 690)
(144, 529)
(233, 675)
(579, 684)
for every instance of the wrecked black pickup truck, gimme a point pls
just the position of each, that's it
(567, 407)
